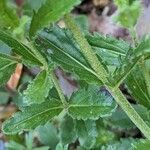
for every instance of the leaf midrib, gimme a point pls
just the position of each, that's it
(33, 116)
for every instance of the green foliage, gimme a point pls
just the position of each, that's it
(8, 16)
(49, 12)
(86, 132)
(123, 144)
(73, 60)
(120, 120)
(48, 135)
(67, 130)
(136, 85)
(7, 67)
(32, 116)
(41, 85)
(142, 144)
(28, 57)
(89, 118)
(91, 104)
(28, 144)
(128, 12)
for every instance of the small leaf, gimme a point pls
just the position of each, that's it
(7, 67)
(38, 89)
(91, 104)
(28, 56)
(67, 130)
(73, 60)
(8, 16)
(50, 12)
(51, 137)
(32, 116)
(87, 133)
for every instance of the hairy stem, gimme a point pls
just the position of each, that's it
(56, 84)
(86, 49)
(130, 111)
(101, 72)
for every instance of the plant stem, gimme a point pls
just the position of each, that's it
(130, 111)
(56, 84)
(101, 72)
(86, 49)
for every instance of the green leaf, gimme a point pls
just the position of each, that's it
(91, 104)
(109, 43)
(60, 146)
(38, 89)
(35, 5)
(32, 116)
(136, 85)
(51, 137)
(104, 136)
(86, 132)
(141, 145)
(7, 67)
(8, 16)
(120, 120)
(60, 44)
(144, 47)
(50, 12)
(121, 72)
(12, 145)
(4, 48)
(82, 21)
(133, 57)
(128, 13)
(123, 144)
(67, 130)
(109, 49)
(20, 49)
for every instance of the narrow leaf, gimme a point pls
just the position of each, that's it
(91, 104)
(60, 44)
(32, 116)
(28, 56)
(7, 67)
(38, 89)
(50, 12)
